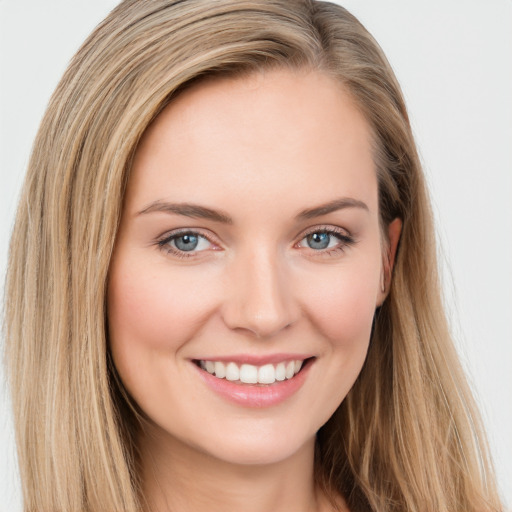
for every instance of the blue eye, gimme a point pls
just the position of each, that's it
(318, 240)
(326, 241)
(185, 242)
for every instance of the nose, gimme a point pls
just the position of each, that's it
(260, 297)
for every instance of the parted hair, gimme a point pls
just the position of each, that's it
(407, 437)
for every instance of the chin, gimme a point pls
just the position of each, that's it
(260, 443)
(261, 452)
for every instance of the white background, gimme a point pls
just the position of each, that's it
(454, 61)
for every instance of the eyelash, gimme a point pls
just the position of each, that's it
(345, 241)
(164, 243)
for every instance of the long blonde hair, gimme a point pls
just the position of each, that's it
(408, 435)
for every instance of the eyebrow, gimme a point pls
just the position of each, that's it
(188, 210)
(201, 212)
(332, 206)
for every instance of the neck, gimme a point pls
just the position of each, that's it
(178, 478)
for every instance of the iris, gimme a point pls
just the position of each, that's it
(318, 240)
(186, 242)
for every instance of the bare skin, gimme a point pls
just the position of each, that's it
(287, 485)
(250, 234)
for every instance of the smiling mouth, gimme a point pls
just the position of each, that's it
(252, 374)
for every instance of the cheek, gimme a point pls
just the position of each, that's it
(343, 305)
(342, 310)
(154, 311)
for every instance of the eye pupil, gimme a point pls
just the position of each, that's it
(318, 240)
(186, 242)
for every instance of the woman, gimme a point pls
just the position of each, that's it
(225, 224)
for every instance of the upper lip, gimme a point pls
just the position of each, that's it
(256, 360)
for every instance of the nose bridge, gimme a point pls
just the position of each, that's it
(260, 299)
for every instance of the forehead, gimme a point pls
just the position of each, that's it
(280, 130)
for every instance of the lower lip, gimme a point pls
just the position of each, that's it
(256, 395)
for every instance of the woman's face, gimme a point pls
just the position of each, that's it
(249, 247)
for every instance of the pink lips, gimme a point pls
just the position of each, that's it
(256, 395)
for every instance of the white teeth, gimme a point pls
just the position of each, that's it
(290, 368)
(280, 371)
(267, 374)
(248, 374)
(220, 370)
(232, 372)
(251, 374)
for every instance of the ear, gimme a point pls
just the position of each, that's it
(388, 258)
